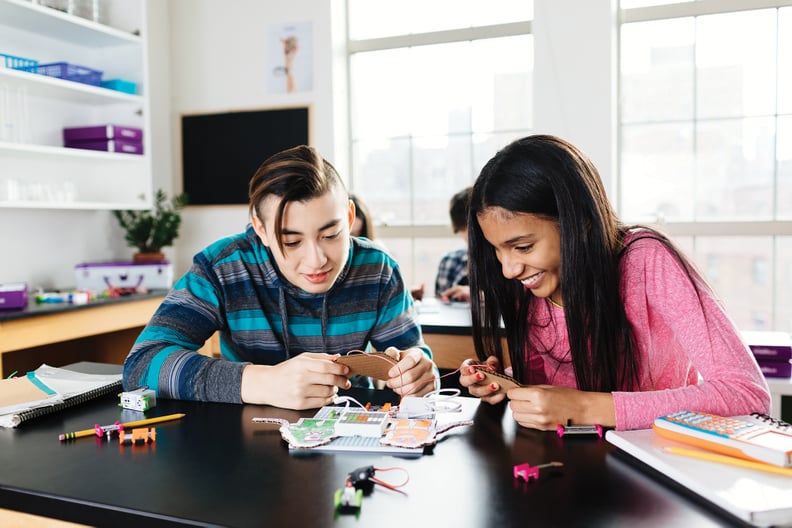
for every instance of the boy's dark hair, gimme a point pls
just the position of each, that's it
(458, 209)
(298, 174)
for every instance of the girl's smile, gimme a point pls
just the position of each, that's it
(528, 248)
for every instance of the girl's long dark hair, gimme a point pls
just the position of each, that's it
(550, 178)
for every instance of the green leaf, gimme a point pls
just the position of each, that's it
(151, 230)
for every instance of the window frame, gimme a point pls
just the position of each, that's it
(415, 231)
(774, 229)
(682, 10)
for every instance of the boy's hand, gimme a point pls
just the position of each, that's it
(413, 373)
(306, 381)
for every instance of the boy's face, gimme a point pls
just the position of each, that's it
(315, 238)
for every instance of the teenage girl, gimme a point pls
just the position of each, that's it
(605, 323)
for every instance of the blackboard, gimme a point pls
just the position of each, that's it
(220, 152)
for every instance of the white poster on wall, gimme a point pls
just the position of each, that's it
(290, 58)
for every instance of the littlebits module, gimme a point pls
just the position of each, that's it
(141, 399)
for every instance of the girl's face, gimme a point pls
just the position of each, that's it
(315, 238)
(528, 248)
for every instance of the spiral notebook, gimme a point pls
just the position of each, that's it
(760, 498)
(58, 389)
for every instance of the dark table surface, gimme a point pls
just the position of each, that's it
(217, 467)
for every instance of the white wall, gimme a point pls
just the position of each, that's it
(41, 246)
(218, 63)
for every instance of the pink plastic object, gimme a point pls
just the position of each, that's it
(526, 472)
(102, 430)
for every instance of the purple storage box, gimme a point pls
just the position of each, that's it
(771, 353)
(775, 369)
(776, 346)
(13, 296)
(109, 145)
(92, 133)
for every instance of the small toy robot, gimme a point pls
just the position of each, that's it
(141, 399)
(349, 499)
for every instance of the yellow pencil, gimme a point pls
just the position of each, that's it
(724, 459)
(127, 425)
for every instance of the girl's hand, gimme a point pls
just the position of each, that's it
(413, 374)
(306, 381)
(545, 406)
(475, 381)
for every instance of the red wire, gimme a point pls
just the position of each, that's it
(387, 484)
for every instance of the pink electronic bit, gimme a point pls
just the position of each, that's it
(102, 430)
(527, 472)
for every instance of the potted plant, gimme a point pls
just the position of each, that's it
(151, 230)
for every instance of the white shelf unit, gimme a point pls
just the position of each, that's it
(36, 171)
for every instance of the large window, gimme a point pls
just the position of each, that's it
(706, 142)
(432, 98)
(704, 121)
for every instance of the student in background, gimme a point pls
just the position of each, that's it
(606, 323)
(363, 226)
(288, 296)
(451, 283)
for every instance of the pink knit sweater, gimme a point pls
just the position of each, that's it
(677, 342)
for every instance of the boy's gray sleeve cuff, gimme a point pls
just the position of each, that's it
(221, 381)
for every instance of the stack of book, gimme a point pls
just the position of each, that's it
(110, 138)
(773, 352)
